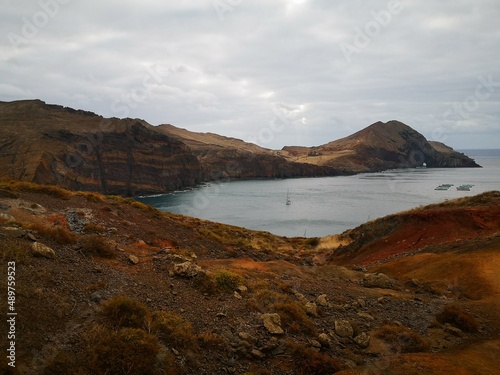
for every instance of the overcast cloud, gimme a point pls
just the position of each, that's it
(274, 72)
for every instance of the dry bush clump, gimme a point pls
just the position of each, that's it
(126, 351)
(309, 361)
(57, 233)
(124, 311)
(90, 196)
(402, 339)
(173, 330)
(96, 245)
(262, 299)
(461, 319)
(211, 340)
(227, 281)
(293, 316)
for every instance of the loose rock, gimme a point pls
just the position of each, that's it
(186, 269)
(362, 340)
(343, 328)
(133, 259)
(272, 322)
(40, 250)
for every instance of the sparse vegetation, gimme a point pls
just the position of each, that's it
(457, 317)
(96, 245)
(308, 361)
(312, 242)
(127, 351)
(227, 281)
(173, 330)
(124, 311)
(402, 339)
(293, 316)
(58, 234)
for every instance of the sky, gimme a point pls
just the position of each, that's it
(271, 72)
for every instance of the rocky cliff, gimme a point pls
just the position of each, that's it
(378, 147)
(80, 150)
(224, 157)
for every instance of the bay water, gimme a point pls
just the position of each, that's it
(328, 205)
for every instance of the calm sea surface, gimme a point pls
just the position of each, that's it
(329, 205)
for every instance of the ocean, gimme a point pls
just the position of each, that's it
(328, 205)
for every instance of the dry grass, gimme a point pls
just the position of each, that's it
(96, 245)
(308, 361)
(461, 319)
(124, 311)
(126, 351)
(402, 339)
(294, 318)
(55, 233)
(173, 330)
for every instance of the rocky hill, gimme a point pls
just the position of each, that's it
(223, 157)
(380, 146)
(105, 284)
(78, 150)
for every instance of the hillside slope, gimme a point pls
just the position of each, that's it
(80, 150)
(378, 147)
(125, 288)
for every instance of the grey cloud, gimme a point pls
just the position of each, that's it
(235, 74)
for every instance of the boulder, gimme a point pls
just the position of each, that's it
(311, 309)
(322, 301)
(40, 250)
(324, 339)
(362, 340)
(272, 322)
(186, 269)
(343, 328)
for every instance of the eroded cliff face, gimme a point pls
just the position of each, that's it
(83, 151)
(231, 158)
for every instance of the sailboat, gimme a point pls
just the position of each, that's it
(288, 200)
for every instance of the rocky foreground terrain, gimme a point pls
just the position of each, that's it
(82, 151)
(105, 284)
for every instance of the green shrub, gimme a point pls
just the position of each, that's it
(227, 281)
(127, 351)
(455, 316)
(124, 311)
(173, 330)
